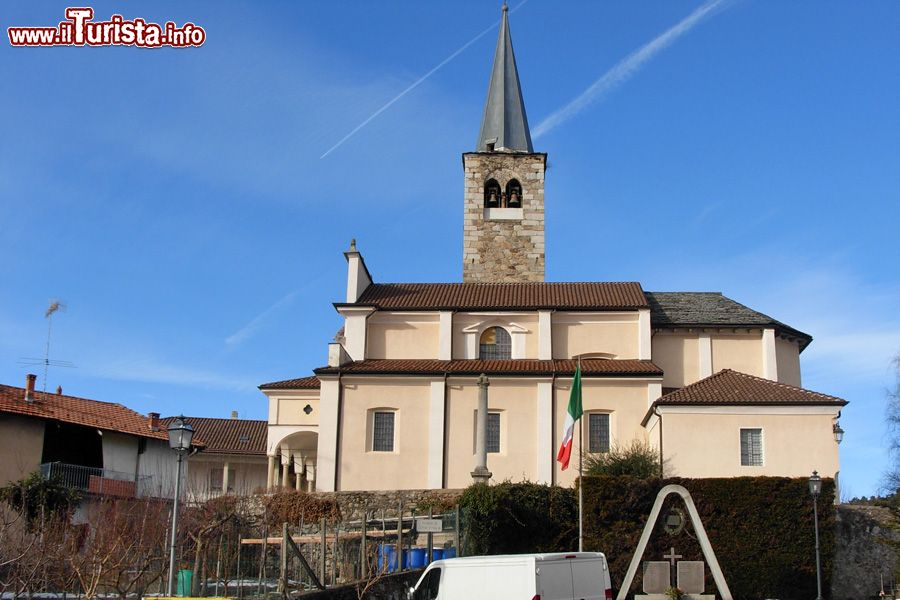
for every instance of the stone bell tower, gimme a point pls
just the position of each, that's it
(503, 233)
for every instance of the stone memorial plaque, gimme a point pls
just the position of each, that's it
(691, 576)
(657, 577)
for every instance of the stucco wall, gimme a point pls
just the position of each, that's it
(626, 401)
(120, 453)
(740, 352)
(787, 357)
(678, 355)
(615, 334)
(523, 326)
(289, 410)
(515, 401)
(402, 336)
(404, 468)
(21, 445)
(698, 442)
(158, 462)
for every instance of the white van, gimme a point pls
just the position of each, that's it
(559, 576)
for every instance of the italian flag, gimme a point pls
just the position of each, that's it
(573, 413)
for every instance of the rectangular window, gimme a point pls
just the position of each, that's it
(215, 479)
(383, 432)
(751, 448)
(493, 432)
(598, 432)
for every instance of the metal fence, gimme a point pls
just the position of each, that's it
(95, 480)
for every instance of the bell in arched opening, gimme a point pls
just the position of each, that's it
(491, 194)
(514, 194)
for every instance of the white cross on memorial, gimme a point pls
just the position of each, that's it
(672, 558)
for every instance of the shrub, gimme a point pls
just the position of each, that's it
(637, 459)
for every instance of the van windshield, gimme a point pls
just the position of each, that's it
(428, 589)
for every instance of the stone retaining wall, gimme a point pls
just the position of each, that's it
(862, 551)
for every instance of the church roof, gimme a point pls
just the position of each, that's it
(739, 389)
(301, 383)
(504, 122)
(712, 309)
(733, 388)
(590, 367)
(504, 296)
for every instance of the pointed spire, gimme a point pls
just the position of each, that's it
(504, 124)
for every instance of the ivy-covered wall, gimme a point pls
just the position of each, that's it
(761, 528)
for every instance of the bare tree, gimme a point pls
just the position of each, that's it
(123, 548)
(892, 476)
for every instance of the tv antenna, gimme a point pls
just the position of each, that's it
(55, 306)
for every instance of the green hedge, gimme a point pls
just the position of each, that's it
(761, 528)
(512, 518)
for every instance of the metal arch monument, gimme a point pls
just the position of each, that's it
(708, 552)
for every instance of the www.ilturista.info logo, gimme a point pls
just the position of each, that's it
(79, 30)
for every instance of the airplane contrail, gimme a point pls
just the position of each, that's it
(417, 82)
(625, 68)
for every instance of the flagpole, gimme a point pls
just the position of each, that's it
(580, 479)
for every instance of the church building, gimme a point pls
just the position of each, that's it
(709, 383)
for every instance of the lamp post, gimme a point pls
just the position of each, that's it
(180, 435)
(815, 488)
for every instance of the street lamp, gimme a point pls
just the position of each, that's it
(838, 433)
(815, 488)
(180, 435)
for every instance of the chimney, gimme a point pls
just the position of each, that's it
(29, 387)
(154, 421)
(234, 414)
(59, 390)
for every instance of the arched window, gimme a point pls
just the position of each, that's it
(495, 344)
(491, 194)
(514, 194)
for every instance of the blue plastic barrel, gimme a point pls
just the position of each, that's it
(437, 553)
(417, 558)
(387, 558)
(450, 552)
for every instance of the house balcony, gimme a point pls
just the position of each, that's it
(96, 481)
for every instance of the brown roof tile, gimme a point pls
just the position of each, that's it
(228, 436)
(504, 296)
(522, 367)
(80, 411)
(303, 383)
(735, 388)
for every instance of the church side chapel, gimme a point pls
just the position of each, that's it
(709, 383)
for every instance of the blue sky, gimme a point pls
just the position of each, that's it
(176, 201)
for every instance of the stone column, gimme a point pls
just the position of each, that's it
(298, 472)
(285, 469)
(311, 477)
(270, 477)
(225, 481)
(481, 473)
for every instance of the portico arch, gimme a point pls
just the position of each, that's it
(294, 449)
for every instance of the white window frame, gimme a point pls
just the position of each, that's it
(370, 430)
(762, 446)
(499, 431)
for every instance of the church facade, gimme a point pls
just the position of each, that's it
(712, 385)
